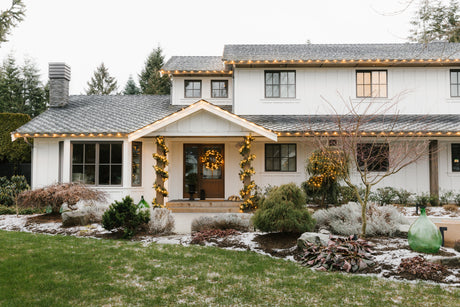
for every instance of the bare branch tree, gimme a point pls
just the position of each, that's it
(373, 143)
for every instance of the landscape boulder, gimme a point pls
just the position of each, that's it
(312, 237)
(83, 213)
(161, 221)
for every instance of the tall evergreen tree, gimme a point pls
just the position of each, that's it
(150, 79)
(435, 21)
(131, 88)
(21, 90)
(10, 17)
(102, 83)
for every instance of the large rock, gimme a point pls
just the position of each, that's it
(312, 237)
(83, 213)
(161, 221)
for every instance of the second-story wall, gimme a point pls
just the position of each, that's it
(178, 90)
(417, 90)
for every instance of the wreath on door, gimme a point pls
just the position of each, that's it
(212, 159)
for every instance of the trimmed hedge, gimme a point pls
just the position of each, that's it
(17, 151)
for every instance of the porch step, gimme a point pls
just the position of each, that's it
(212, 206)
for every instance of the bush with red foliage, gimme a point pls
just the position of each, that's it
(57, 194)
(201, 236)
(418, 267)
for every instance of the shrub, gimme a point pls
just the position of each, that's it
(57, 194)
(11, 188)
(346, 195)
(384, 196)
(205, 235)
(457, 199)
(425, 199)
(284, 210)
(346, 220)
(403, 197)
(22, 211)
(125, 215)
(341, 254)
(451, 208)
(446, 198)
(161, 221)
(17, 151)
(237, 221)
(418, 267)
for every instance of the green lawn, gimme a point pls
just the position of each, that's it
(42, 270)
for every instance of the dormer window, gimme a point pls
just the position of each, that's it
(192, 89)
(371, 83)
(219, 89)
(279, 84)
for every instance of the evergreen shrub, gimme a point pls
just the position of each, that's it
(283, 210)
(125, 215)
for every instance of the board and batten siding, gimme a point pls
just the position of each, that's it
(418, 90)
(177, 91)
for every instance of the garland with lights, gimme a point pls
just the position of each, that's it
(161, 174)
(246, 172)
(212, 159)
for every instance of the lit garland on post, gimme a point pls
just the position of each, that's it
(161, 174)
(245, 175)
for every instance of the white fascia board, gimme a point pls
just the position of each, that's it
(202, 105)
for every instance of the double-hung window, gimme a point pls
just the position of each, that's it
(97, 163)
(455, 83)
(455, 151)
(373, 157)
(219, 89)
(371, 83)
(280, 84)
(136, 175)
(192, 88)
(280, 158)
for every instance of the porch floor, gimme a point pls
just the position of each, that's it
(203, 206)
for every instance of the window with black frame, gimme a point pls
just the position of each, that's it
(371, 83)
(280, 158)
(373, 157)
(97, 163)
(219, 89)
(455, 83)
(280, 84)
(136, 175)
(455, 152)
(192, 88)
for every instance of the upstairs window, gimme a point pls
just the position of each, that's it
(373, 157)
(192, 89)
(219, 89)
(280, 158)
(371, 83)
(280, 84)
(455, 157)
(455, 83)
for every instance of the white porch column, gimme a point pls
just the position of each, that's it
(66, 163)
(127, 164)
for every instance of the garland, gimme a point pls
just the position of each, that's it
(212, 159)
(246, 172)
(161, 162)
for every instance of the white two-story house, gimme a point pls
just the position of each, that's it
(277, 93)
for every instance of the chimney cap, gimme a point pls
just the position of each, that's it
(59, 70)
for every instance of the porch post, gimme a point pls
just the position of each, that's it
(66, 162)
(126, 164)
(434, 167)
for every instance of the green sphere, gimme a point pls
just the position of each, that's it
(424, 236)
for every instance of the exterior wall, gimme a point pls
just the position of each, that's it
(418, 90)
(448, 180)
(177, 91)
(45, 162)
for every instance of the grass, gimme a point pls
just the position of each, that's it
(44, 270)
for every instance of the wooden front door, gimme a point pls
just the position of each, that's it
(197, 176)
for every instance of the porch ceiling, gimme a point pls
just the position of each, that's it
(202, 119)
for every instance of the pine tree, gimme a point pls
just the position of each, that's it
(150, 79)
(435, 21)
(21, 90)
(10, 18)
(131, 88)
(101, 83)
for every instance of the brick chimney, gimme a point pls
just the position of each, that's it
(59, 74)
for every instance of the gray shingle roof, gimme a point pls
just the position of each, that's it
(125, 114)
(327, 123)
(194, 63)
(405, 51)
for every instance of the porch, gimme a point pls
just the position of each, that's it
(203, 206)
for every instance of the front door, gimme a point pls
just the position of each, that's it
(204, 170)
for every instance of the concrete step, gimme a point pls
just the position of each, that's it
(205, 210)
(211, 206)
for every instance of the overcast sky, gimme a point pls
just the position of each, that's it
(121, 33)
